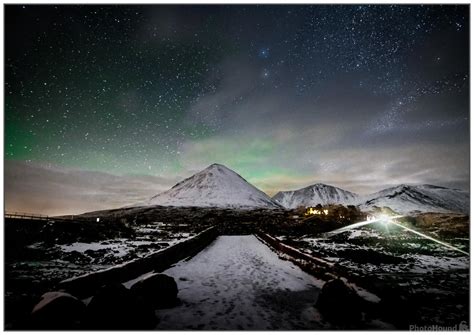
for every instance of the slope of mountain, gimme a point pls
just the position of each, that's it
(316, 194)
(215, 186)
(424, 198)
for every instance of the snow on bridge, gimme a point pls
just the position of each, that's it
(237, 282)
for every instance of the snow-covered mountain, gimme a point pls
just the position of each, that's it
(218, 186)
(405, 199)
(402, 199)
(215, 186)
(316, 194)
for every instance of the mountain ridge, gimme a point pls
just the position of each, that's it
(402, 198)
(405, 198)
(219, 186)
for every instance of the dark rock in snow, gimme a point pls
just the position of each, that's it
(396, 307)
(115, 307)
(75, 257)
(57, 311)
(339, 303)
(96, 253)
(109, 259)
(159, 289)
(370, 256)
(131, 255)
(146, 247)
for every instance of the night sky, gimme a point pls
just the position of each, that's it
(107, 105)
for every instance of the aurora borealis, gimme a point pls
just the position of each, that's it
(109, 104)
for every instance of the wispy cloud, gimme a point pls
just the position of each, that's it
(53, 190)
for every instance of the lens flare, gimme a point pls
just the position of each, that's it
(386, 220)
(383, 218)
(447, 245)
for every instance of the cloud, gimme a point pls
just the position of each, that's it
(53, 190)
(278, 163)
(339, 133)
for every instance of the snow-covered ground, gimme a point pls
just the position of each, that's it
(237, 282)
(145, 242)
(438, 258)
(54, 263)
(433, 278)
(120, 247)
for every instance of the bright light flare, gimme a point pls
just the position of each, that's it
(386, 219)
(382, 218)
(447, 245)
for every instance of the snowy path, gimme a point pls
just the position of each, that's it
(239, 283)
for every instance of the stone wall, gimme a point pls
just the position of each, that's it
(85, 285)
(315, 266)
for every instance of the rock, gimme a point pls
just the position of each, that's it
(339, 303)
(146, 247)
(75, 257)
(370, 256)
(397, 309)
(57, 311)
(109, 259)
(158, 289)
(96, 253)
(114, 307)
(129, 256)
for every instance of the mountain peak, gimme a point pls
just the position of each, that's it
(323, 185)
(216, 165)
(315, 194)
(218, 168)
(215, 186)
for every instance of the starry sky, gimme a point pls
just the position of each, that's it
(106, 105)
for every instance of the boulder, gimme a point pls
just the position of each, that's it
(397, 308)
(57, 311)
(115, 307)
(96, 253)
(109, 259)
(364, 256)
(339, 303)
(158, 289)
(75, 257)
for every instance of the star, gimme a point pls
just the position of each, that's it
(120, 89)
(264, 53)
